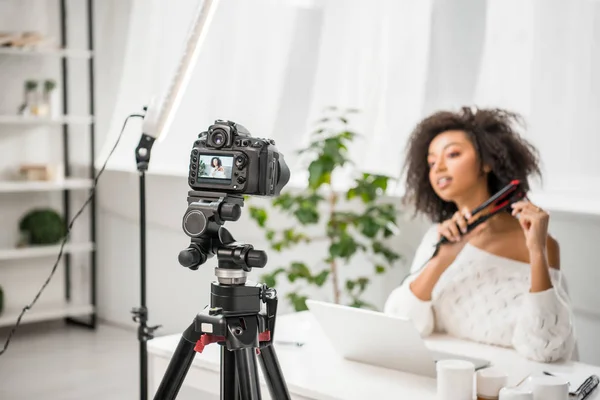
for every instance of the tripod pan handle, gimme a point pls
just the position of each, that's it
(256, 258)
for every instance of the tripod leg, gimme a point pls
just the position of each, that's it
(273, 375)
(247, 373)
(229, 385)
(178, 366)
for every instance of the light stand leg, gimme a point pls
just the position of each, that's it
(273, 374)
(247, 373)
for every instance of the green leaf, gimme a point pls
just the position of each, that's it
(380, 182)
(298, 301)
(315, 171)
(358, 303)
(307, 216)
(271, 279)
(300, 270)
(344, 246)
(362, 283)
(321, 277)
(270, 234)
(351, 194)
(348, 135)
(350, 284)
(285, 201)
(379, 269)
(386, 252)
(369, 226)
(259, 215)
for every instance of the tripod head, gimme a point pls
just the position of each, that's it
(203, 222)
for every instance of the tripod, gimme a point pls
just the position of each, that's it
(235, 318)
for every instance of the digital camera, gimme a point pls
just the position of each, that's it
(225, 158)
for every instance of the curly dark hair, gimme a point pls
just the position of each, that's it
(212, 162)
(496, 141)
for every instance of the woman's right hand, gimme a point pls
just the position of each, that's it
(454, 229)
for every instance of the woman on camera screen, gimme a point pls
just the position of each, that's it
(217, 170)
(501, 283)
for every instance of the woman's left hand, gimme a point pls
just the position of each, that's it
(534, 222)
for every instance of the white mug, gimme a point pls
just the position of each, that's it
(490, 381)
(455, 380)
(515, 393)
(549, 388)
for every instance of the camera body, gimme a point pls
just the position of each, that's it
(227, 159)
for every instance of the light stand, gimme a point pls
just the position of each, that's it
(157, 121)
(140, 314)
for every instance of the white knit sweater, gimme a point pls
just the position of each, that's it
(485, 298)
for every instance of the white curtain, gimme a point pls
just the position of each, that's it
(541, 59)
(238, 76)
(373, 56)
(274, 65)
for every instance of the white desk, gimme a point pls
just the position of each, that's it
(315, 371)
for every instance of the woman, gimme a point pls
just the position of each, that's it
(501, 283)
(217, 168)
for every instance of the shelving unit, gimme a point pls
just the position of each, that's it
(63, 120)
(73, 311)
(61, 53)
(45, 186)
(46, 312)
(44, 251)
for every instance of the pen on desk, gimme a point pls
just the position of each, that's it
(584, 390)
(587, 387)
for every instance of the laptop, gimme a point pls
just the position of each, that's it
(379, 339)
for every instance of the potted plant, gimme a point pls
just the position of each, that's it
(41, 227)
(360, 226)
(30, 99)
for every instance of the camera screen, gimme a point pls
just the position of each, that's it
(215, 168)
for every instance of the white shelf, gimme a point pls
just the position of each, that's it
(42, 312)
(68, 53)
(44, 186)
(33, 120)
(44, 251)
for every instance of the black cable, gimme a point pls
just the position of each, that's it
(90, 197)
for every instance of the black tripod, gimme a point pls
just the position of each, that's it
(235, 319)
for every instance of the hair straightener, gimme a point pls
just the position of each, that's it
(502, 200)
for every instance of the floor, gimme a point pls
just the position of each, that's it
(57, 361)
